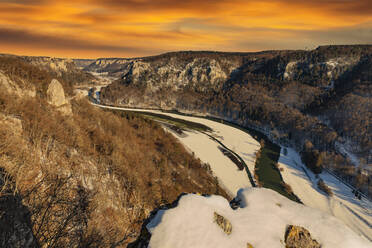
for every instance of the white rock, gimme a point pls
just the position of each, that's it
(56, 97)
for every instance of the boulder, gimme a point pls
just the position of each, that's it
(56, 94)
(56, 97)
(299, 237)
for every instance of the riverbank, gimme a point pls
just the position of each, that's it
(235, 139)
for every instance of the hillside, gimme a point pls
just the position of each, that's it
(73, 175)
(321, 96)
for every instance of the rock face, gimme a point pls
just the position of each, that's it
(15, 88)
(202, 74)
(223, 223)
(180, 73)
(56, 94)
(299, 237)
(161, 78)
(56, 97)
(58, 65)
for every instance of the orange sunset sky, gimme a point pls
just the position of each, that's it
(114, 28)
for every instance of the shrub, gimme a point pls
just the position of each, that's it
(287, 188)
(96, 175)
(322, 186)
(312, 158)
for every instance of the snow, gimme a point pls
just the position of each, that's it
(206, 149)
(357, 214)
(261, 221)
(235, 139)
(344, 148)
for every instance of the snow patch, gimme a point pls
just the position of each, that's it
(355, 213)
(261, 221)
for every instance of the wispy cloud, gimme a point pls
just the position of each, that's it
(95, 28)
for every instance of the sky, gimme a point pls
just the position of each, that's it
(134, 28)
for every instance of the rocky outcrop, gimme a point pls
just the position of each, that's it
(16, 88)
(56, 97)
(59, 65)
(208, 73)
(299, 237)
(56, 94)
(223, 223)
(326, 70)
(113, 67)
(200, 74)
(158, 81)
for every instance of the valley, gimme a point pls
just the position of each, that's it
(122, 141)
(282, 172)
(357, 214)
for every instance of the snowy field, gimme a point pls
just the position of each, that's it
(357, 214)
(261, 221)
(206, 149)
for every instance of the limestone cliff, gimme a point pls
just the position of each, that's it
(56, 97)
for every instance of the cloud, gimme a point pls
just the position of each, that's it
(288, 38)
(344, 7)
(140, 27)
(145, 5)
(24, 2)
(35, 40)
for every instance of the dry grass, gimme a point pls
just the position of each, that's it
(92, 178)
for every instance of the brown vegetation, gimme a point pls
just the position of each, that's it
(322, 186)
(312, 158)
(90, 179)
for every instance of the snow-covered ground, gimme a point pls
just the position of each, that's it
(357, 214)
(344, 149)
(207, 150)
(261, 221)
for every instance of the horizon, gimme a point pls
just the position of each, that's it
(180, 51)
(130, 28)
